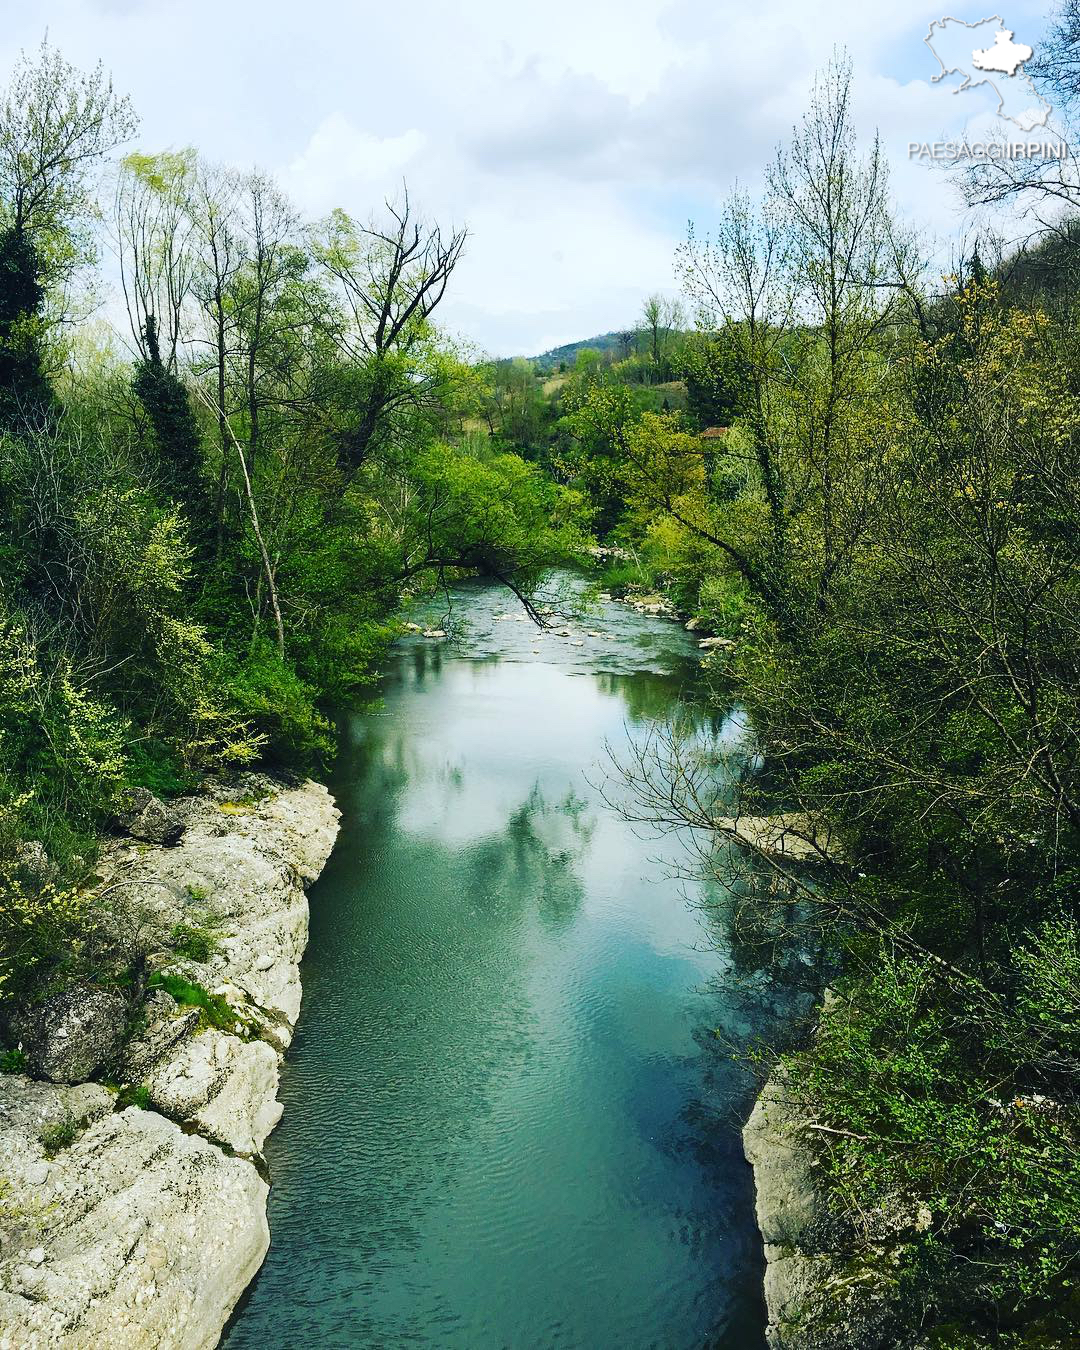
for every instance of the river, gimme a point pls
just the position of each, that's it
(508, 1119)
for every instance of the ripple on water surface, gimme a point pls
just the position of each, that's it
(507, 1120)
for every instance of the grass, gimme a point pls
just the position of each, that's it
(214, 1009)
(132, 1095)
(194, 941)
(59, 1134)
(13, 1061)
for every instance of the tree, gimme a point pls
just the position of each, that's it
(155, 222)
(273, 264)
(391, 278)
(25, 394)
(660, 318)
(220, 254)
(57, 126)
(176, 432)
(805, 288)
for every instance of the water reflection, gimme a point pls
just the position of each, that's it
(509, 1119)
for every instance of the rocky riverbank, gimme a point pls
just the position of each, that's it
(133, 1207)
(826, 1286)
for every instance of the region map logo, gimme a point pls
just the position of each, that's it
(956, 45)
(984, 53)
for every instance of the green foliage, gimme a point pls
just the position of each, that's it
(176, 433)
(269, 694)
(25, 397)
(60, 1134)
(155, 764)
(500, 518)
(214, 1009)
(133, 1095)
(920, 1092)
(195, 942)
(13, 1061)
(716, 373)
(43, 929)
(619, 578)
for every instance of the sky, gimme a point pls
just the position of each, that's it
(574, 138)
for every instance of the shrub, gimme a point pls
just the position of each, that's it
(269, 694)
(158, 766)
(197, 942)
(41, 928)
(929, 1104)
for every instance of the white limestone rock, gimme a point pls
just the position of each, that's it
(142, 1236)
(139, 1233)
(224, 1086)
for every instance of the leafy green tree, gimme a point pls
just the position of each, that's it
(25, 395)
(176, 433)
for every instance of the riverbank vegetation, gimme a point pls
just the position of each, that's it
(208, 521)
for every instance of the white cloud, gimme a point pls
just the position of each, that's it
(342, 162)
(574, 138)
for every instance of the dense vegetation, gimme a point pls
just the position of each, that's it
(202, 549)
(889, 535)
(203, 543)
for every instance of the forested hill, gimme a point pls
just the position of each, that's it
(565, 355)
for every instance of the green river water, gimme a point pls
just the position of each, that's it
(508, 1119)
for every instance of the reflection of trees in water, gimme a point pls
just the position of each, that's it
(426, 660)
(683, 776)
(647, 698)
(545, 842)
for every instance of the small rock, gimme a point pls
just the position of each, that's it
(264, 963)
(434, 632)
(144, 816)
(713, 643)
(33, 861)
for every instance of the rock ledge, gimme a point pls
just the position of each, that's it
(823, 1289)
(142, 1228)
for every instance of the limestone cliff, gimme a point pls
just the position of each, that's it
(142, 1227)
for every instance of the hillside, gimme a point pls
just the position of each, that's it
(551, 360)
